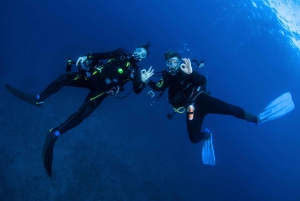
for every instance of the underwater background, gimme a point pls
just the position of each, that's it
(126, 150)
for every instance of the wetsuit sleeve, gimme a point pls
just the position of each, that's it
(158, 86)
(197, 78)
(102, 55)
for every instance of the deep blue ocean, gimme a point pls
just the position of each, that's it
(126, 150)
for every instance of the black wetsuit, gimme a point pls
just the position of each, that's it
(184, 90)
(106, 78)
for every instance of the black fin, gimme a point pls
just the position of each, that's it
(48, 152)
(26, 97)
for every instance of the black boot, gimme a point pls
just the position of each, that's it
(250, 117)
(207, 135)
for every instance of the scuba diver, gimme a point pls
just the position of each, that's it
(102, 80)
(187, 92)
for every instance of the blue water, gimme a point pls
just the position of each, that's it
(126, 151)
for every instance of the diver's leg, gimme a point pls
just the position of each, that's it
(194, 129)
(92, 101)
(194, 126)
(74, 79)
(217, 106)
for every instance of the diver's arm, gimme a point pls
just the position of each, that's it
(197, 78)
(96, 56)
(157, 86)
(101, 55)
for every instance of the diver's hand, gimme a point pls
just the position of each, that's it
(81, 60)
(187, 66)
(145, 75)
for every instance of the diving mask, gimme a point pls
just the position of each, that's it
(139, 53)
(173, 64)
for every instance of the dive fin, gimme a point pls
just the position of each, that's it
(208, 153)
(48, 151)
(277, 108)
(26, 97)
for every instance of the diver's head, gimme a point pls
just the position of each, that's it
(141, 52)
(173, 61)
